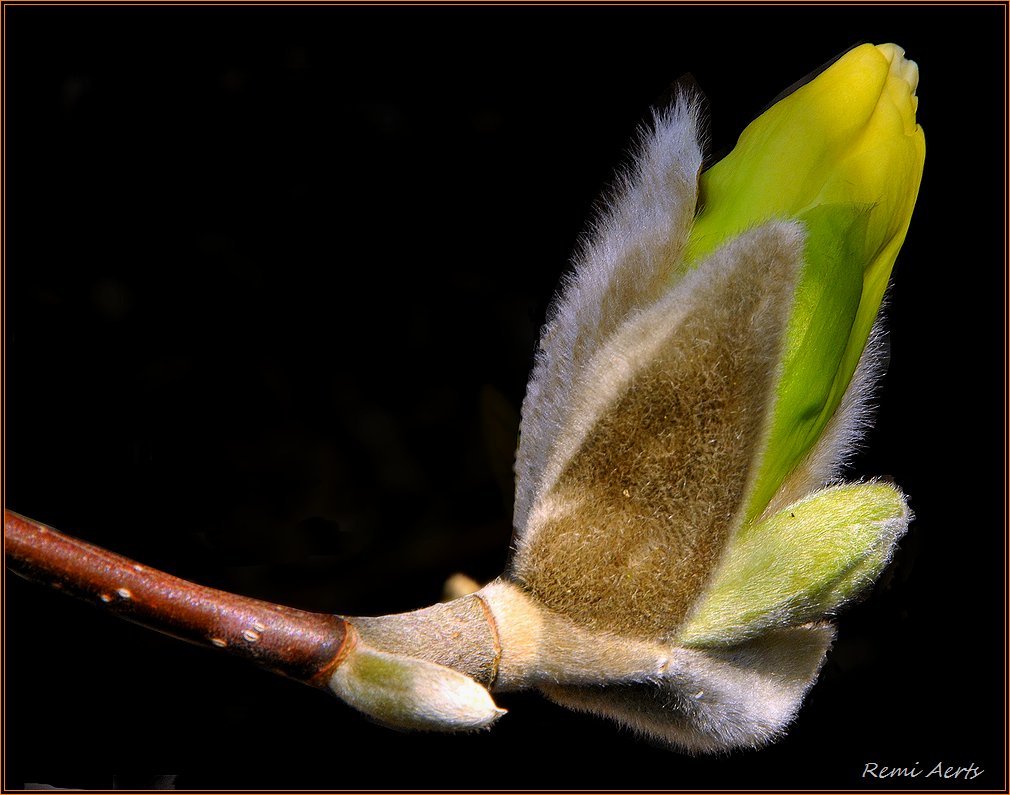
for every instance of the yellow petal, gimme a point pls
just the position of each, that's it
(847, 136)
(842, 154)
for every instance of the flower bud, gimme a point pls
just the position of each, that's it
(843, 155)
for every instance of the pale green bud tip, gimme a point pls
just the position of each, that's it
(409, 693)
(900, 66)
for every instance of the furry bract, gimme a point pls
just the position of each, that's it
(681, 539)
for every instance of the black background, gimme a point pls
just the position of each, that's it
(273, 282)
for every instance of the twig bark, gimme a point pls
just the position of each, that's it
(302, 645)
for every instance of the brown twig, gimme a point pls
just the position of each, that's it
(302, 645)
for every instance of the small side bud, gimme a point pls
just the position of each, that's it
(458, 586)
(409, 693)
(800, 564)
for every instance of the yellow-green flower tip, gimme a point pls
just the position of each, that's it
(848, 136)
(843, 154)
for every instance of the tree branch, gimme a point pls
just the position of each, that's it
(302, 645)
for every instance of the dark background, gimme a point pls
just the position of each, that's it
(273, 282)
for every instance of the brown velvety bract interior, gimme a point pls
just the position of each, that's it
(654, 490)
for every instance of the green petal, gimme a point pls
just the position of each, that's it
(828, 329)
(800, 564)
